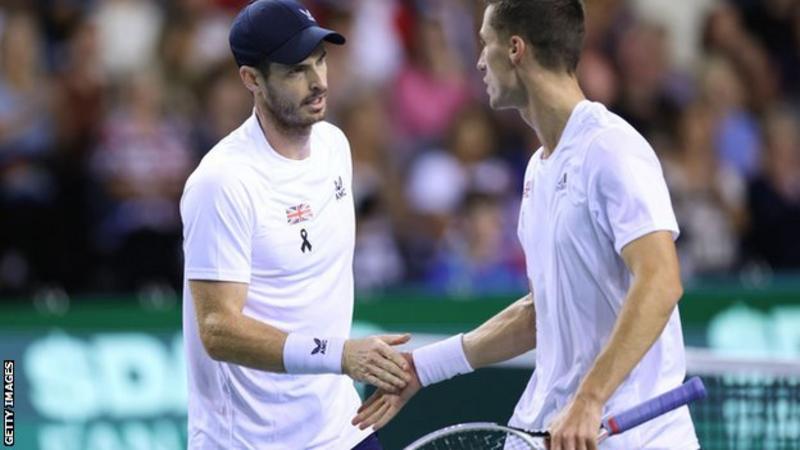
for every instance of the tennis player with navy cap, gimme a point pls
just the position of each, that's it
(269, 232)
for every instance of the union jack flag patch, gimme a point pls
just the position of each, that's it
(526, 192)
(299, 213)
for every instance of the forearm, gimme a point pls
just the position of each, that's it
(244, 341)
(510, 333)
(645, 312)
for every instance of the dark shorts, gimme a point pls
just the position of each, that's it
(370, 443)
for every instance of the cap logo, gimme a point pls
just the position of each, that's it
(307, 13)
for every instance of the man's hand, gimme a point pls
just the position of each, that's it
(373, 360)
(578, 425)
(382, 406)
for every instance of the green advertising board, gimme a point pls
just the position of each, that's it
(109, 374)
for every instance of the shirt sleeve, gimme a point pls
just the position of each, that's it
(218, 224)
(626, 189)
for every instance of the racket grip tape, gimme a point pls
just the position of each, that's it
(682, 395)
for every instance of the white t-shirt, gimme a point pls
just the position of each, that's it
(287, 228)
(601, 189)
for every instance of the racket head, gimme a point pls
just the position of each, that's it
(480, 435)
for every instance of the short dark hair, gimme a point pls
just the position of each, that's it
(264, 67)
(554, 27)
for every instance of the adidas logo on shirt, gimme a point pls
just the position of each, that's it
(562, 183)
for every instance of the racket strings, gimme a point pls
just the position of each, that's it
(482, 440)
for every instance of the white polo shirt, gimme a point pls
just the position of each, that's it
(599, 190)
(287, 229)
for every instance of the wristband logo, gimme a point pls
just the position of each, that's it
(322, 346)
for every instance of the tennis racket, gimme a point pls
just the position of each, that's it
(489, 436)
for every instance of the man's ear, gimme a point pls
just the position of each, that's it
(250, 78)
(516, 50)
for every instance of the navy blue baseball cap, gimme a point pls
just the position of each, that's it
(281, 31)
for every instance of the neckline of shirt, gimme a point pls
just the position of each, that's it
(257, 134)
(575, 118)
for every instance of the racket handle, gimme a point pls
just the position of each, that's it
(682, 395)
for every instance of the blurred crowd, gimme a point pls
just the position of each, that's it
(106, 106)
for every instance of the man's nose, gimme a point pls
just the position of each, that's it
(316, 82)
(481, 65)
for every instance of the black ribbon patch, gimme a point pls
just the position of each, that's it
(306, 244)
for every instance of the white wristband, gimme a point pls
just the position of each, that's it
(441, 361)
(308, 354)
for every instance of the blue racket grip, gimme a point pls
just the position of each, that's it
(688, 392)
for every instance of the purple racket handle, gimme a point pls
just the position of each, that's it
(688, 392)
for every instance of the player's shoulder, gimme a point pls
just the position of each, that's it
(221, 164)
(608, 136)
(599, 125)
(225, 168)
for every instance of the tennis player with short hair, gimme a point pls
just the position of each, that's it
(597, 228)
(269, 231)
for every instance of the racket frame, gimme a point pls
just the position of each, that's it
(531, 438)
(684, 394)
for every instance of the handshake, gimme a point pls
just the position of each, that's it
(398, 376)
(373, 360)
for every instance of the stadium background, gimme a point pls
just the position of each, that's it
(107, 105)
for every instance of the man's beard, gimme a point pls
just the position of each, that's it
(288, 116)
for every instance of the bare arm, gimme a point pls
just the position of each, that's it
(229, 335)
(652, 297)
(510, 333)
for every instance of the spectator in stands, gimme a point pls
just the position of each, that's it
(439, 180)
(226, 104)
(25, 120)
(80, 94)
(774, 196)
(724, 34)
(736, 136)
(141, 164)
(27, 186)
(474, 259)
(431, 87)
(773, 21)
(598, 79)
(376, 50)
(708, 197)
(129, 31)
(642, 57)
(378, 260)
(420, 144)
